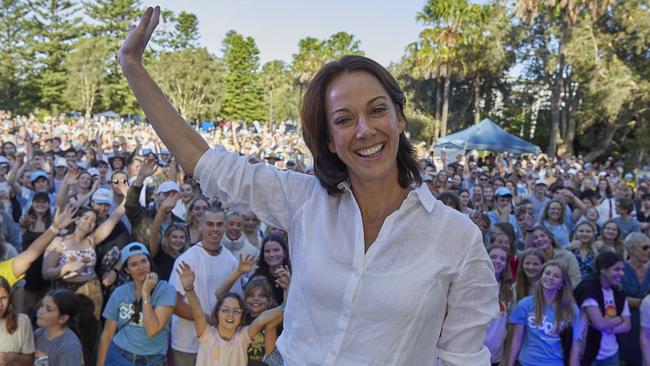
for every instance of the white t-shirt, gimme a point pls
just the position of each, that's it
(21, 340)
(608, 343)
(210, 272)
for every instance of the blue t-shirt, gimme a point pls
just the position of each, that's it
(132, 336)
(541, 344)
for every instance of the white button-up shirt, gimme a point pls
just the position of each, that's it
(424, 289)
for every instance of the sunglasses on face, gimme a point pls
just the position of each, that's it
(645, 247)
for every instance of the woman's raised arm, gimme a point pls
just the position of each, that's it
(181, 139)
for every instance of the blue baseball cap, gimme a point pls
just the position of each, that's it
(38, 174)
(502, 192)
(132, 249)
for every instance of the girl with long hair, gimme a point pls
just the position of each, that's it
(274, 255)
(553, 218)
(137, 315)
(496, 332)
(584, 248)
(546, 330)
(56, 343)
(606, 309)
(544, 240)
(528, 272)
(227, 342)
(194, 212)
(16, 335)
(610, 239)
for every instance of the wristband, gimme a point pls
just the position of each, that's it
(188, 290)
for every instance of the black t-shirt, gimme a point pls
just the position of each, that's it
(163, 265)
(119, 237)
(33, 277)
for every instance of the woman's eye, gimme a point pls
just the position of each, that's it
(380, 109)
(342, 120)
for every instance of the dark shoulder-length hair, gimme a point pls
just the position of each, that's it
(11, 317)
(328, 168)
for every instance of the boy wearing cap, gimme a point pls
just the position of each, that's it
(503, 210)
(539, 198)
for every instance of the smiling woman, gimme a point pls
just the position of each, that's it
(367, 237)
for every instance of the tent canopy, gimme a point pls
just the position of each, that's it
(487, 135)
(109, 114)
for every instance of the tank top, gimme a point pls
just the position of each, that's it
(88, 256)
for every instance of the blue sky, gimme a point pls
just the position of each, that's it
(384, 27)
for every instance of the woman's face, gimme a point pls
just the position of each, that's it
(256, 302)
(138, 267)
(488, 193)
(602, 184)
(85, 180)
(498, 184)
(48, 314)
(502, 241)
(464, 199)
(364, 127)
(250, 223)
(610, 231)
(5, 300)
(457, 180)
(442, 176)
(552, 278)
(41, 206)
(592, 214)
(585, 234)
(87, 222)
(176, 239)
(234, 226)
(9, 149)
(186, 192)
(641, 251)
(614, 274)
(273, 253)
(230, 314)
(197, 209)
(541, 240)
(555, 212)
(498, 257)
(478, 193)
(532, 267)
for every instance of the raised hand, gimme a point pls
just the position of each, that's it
(169, 203)
(186, 275)
(135, 43)
(149, 283)
(247, 264)
(66, 217)
(283, 277)
(148, 168)
(71, 176)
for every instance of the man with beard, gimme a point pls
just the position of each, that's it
(212, 265)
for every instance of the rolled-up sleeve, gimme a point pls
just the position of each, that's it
(472, 303)
(273, 195)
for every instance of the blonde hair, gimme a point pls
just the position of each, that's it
(563, 303)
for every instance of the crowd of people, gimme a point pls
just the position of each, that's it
(105, 234)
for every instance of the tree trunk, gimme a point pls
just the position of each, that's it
(271, 106)
(556, 94)
(570, 133)
(438, 89)
(489, 86)
(445, 107)
(604, 144)
(477, 98)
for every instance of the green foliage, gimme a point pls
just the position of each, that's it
(85, 67)
(54, 30)
(191, 78)
(242, 92)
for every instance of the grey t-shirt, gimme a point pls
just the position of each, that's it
(64, 350)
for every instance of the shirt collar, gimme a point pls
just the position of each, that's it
(422, 191)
